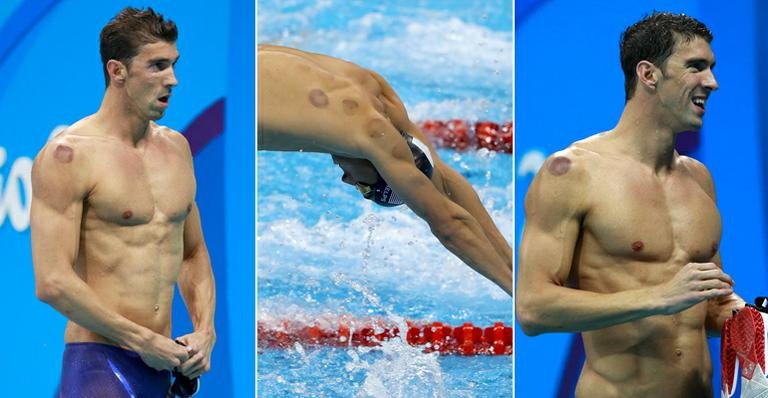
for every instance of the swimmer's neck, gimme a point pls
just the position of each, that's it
(117, 118)
(645, 137)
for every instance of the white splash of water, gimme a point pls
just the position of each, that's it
(415, 260)
(403, 372)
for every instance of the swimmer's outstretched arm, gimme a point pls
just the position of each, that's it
(308, 113)
(454, 226)
(554, 208)
(453, 184)
(455, 214)
(460, 191)
(60, 183)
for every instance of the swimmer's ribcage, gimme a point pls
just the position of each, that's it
(466, 339)
(743, 344)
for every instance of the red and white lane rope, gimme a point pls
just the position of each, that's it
(466, 339)
(461, 135)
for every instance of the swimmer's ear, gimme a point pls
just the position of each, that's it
(117, 71)
(647, 74)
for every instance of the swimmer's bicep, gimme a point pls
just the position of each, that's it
(193, 230)
(54, 236)
(546, 255)
(550, 202)
(392, 158)
(419, 194)
(554, 209)
(193, 233)
(412, 186)
(55, 218)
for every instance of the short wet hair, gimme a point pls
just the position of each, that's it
(653, 39)
(130, 29)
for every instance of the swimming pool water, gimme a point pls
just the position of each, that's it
(324, 252)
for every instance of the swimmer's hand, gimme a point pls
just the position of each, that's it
(160, 352)
(200, 344)
(694, 283)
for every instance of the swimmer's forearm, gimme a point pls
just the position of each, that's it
(719, 310)
(74, 299)
(463, 236)
(461, 192)
(561, 309)
(196, 283)
(198, 288)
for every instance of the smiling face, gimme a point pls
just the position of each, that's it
(150, 79)
(685, 84)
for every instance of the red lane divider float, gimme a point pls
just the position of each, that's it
(466, 339)
(457, 134)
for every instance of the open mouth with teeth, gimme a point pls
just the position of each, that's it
(699, 102)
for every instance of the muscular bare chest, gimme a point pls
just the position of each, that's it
(641, 217)
(138, 186)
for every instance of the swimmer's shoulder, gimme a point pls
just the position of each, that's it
(83, 133)
(63, 168)
(78, 139)
(265, 50)
(340, 68)
(594, 153)
(573, 163)
(699, 172)
(563, 182)
(173, 138)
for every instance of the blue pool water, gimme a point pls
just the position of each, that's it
(324, 252)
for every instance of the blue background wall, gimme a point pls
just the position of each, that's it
(569, 85)
(50, 75)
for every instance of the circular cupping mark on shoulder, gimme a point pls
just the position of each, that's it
(559, 165)
(349, 106)
(318, 98)
(64, 153)
(375, 128)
